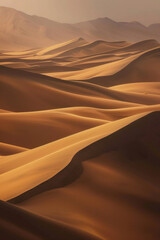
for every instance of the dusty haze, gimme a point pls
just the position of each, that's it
(145, 11)
(79, 120)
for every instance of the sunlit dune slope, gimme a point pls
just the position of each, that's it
(140, 61)
(62, 47)
(95, 47)
(144, 68)
(37, 128)
(110, 114)
(40, 92)
(102, 47)
(40, 159)
(141, 87)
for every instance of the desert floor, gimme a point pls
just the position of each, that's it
(80, 142)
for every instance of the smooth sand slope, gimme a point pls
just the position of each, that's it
(39, 92)
(42, 127)
(8, 149)
(80, 134)
(63, 47)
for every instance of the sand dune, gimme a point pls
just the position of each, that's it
(31, 229)
(141, 69)
(108, 178)
(66, 46)
(39, 93)
(80, 133)
(144, 193)
(112, 68)
(98, 47)
(110, 114)
(142, 46)
(42, 127)
(93, 48)
(147, 87)
(67, 147)
(8, 149)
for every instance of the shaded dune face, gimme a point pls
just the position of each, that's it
(25, 225)
(80, 134)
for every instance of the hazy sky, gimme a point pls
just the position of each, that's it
(145, 11)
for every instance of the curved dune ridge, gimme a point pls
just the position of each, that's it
(62, 47)
(8, 149)
(114, 67)
(80, 134)
(93, 48)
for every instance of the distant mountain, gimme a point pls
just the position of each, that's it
(20, 31)
(155, 29)
(106, 29)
